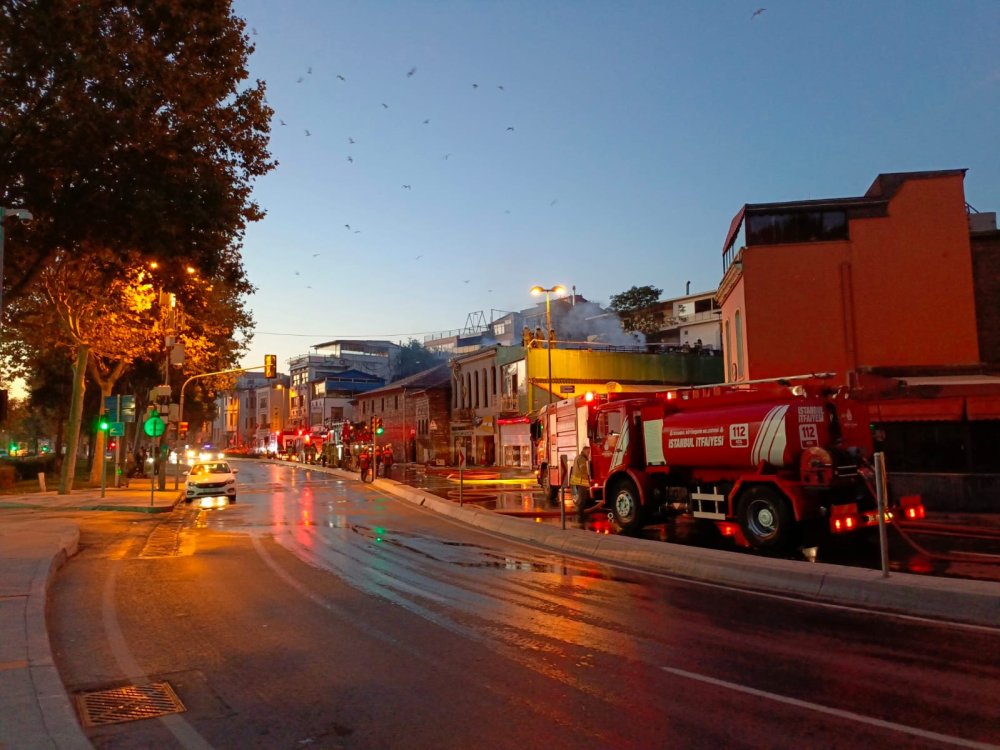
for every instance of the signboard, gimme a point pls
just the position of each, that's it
(567, 389)
(128, 409)
(154, 426)
(117, 429)
(461, 459)
(111, 407)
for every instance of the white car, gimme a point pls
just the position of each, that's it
(213, 482)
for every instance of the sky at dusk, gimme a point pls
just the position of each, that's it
(438, 159)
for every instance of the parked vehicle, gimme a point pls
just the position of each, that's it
(771, 463)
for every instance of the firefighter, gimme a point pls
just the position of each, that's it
(364, 463)
(387, 458)
(378, 460)
(579, 481)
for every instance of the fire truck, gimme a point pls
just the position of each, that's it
(772, 464)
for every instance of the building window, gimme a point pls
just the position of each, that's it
(477, 388)
(728, 352)
(395, 404)
(796, 226)
(738, 324)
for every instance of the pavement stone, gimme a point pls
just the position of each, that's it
(36, 712)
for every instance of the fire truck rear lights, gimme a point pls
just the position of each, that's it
(588, 396)
(727, 529)
(915, 512)
(844, 523)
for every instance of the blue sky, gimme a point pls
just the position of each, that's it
(639, 130)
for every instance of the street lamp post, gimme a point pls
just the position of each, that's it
(19, 213)
(557, 289)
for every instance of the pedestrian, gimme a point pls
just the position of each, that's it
(579, 481)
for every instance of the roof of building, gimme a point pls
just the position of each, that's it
(435, 377)
(871, 203)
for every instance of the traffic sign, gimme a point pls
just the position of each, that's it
(117, 429)
(111, 407)
(154, 426)
(128, 409)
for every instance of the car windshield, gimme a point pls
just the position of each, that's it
(216, 468)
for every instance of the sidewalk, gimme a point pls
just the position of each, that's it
(35, 710)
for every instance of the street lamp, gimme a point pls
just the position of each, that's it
(557, 289)
(19, 213)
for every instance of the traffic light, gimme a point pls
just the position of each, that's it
(111, 444)
(182, 429)
(103, 424)
(377, 427)
(270, 366)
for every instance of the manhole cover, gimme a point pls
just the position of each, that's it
(128, 703)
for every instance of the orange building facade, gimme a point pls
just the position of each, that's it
(894, 292)
(841, 285)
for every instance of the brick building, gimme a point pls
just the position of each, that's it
(415, 414)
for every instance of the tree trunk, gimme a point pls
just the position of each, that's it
(68, 471)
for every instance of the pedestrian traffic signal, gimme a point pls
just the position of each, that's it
(377, 427)
(270, 366)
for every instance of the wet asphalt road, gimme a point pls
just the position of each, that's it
(320, 613)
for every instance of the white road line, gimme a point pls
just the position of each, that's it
(839, 713)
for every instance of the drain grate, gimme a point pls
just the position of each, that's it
(128, 703)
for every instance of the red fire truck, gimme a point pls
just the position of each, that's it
(772, 463)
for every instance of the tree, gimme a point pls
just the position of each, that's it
(632, 306)
(123, 127)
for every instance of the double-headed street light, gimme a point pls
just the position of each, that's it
(557, 289)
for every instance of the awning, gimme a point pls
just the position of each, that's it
(982, 407)
(917, 410)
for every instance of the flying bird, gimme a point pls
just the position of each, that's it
(757, 13)
(510, 127)
(282, 121)
(357, 231)
(297, 273)
(347, 226)
(466, 281)
(475, 85)
(350, 140)
(315, 255)
(418, 257)
(340, 77)
(309, 71)
(385, 106)
(254, 31)
(406, 187)
(300, 80)
(500, 87)
(410, 72)
(446, 156)
(427, 122)
(554, 201)
(308, 133)
(350, 159)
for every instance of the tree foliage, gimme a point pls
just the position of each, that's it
(123, 127)
(632, 307)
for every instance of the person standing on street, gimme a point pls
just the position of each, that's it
(579, 481)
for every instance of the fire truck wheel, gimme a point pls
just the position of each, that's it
(765, 518)
(626, 507)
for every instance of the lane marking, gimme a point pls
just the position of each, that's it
(839, 713)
